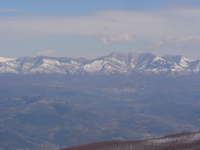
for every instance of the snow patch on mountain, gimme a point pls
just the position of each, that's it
(94, 67)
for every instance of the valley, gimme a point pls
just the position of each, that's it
(54, 111)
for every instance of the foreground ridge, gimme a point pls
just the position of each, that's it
(181, 141)
(122, 63)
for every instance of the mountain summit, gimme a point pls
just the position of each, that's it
(123, 63)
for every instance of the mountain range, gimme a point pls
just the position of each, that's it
(122, 63)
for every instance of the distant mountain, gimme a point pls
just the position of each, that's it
(179, 141)
(121, 63)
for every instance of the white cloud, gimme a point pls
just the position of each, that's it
(183, 45)
(104, 40)
(180, 42)
(125, 37)
(191, 38)
(47, 53)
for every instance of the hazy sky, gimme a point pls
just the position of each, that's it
(92, 28)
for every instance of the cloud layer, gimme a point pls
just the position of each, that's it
(160, 27)
(163, 22)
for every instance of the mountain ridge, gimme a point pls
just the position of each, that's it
(116, 62)
(181, 141)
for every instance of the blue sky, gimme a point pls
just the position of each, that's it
(92, 28)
